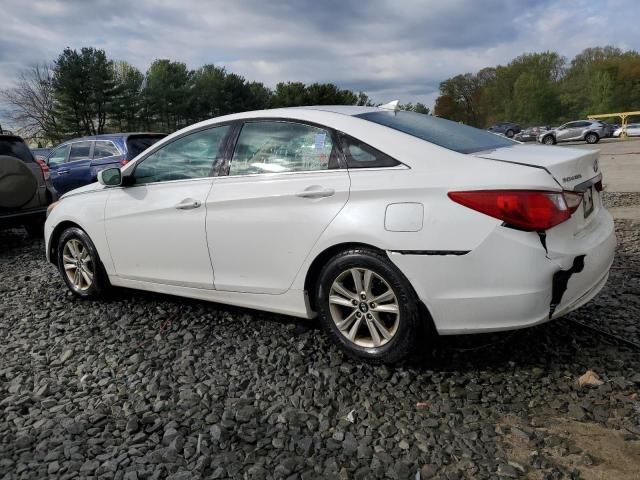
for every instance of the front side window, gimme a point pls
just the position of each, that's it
(361, 155)
(276, 147)
(58, 156)
(105, 148)
(79, 151)
(191, 156)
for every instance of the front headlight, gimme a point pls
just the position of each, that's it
(51, 207)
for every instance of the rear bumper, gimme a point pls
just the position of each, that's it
(508, 281)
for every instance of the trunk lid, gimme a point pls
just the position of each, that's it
(569, 166)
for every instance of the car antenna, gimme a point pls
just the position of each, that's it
(394, 106)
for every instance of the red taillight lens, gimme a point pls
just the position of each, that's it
(123, 162)
(44, 168)
(525, 209)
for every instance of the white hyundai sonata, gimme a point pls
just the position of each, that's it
(381, 222)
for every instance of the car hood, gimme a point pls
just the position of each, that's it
(81, 190)
(569, 166)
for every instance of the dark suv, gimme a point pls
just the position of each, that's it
(77, 162)
(25, 187)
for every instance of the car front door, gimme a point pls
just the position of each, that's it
(156, 226)
(56, 160)
(77, 170)
(283, 188)
(566, 132)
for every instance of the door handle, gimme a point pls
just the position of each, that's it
(63, 172)
(316, 191)
(188, 204)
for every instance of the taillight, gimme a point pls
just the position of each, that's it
(124, 161)
(598, 185)
(44, 168)
(526, 209)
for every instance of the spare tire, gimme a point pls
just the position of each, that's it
(18, 184)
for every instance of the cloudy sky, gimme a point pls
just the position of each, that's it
(389, 49)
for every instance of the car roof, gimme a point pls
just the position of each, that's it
(111, 136)
(8, 136)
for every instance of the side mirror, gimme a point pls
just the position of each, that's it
(110, 177)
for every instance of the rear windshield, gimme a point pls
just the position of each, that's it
(445, 133)
(136, 144)
(15, 147)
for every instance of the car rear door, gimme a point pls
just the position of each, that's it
(282, 189)
(566, 132)
(156, 226)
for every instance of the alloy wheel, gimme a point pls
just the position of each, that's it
(364, 307)
(78, 264)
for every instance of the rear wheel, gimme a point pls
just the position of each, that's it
(510, 133)
(80, 266)
(591, 138)
(368, 307)
(549, 140)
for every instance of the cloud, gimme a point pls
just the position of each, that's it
(388, 49)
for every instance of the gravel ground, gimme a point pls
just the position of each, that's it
(616, 199)
(149, 386)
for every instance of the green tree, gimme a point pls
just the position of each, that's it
(166, 95)
(84, 88)
(126, 106)
(418, 108)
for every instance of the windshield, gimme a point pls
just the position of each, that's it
(445, 133)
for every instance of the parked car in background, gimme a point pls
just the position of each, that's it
(507, 129)
(41, 153)
(77, 162)
(608, 129)
(383, 223)
(633, 130)
(25, 186)
(590, 131)
(530, 134)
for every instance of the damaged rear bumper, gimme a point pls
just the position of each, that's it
(512, 280)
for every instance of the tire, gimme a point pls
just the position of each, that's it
(90, 263)
(510, 133)
(591, 138)
(35, 229)
(18, 185)
(549, 140)
(403, 330)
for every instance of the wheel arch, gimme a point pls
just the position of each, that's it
(55, 238)
(322, 258)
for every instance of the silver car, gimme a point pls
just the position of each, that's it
(590, 131)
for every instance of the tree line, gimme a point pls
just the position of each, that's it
(544, 88)
(83, 92)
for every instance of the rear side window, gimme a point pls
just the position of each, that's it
(277, 147)
(80, 151)
(136, 144)
(444, 133)
(15, 147)
(361, 155)
(105, 148)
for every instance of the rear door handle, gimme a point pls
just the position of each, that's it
(63, 172)
(188, 204)
(316, 191)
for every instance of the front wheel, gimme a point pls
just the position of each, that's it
(592, 138)
(368, 307)
(548, 140)
(510, 133)
(79, 264)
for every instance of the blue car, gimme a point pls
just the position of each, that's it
(77, 162)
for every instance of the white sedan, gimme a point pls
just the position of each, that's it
(633, 130)
(387, 225)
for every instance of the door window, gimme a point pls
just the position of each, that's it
(191, 156)
(275, 147)
(57, 156)
(105, 148)
(80, 151)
